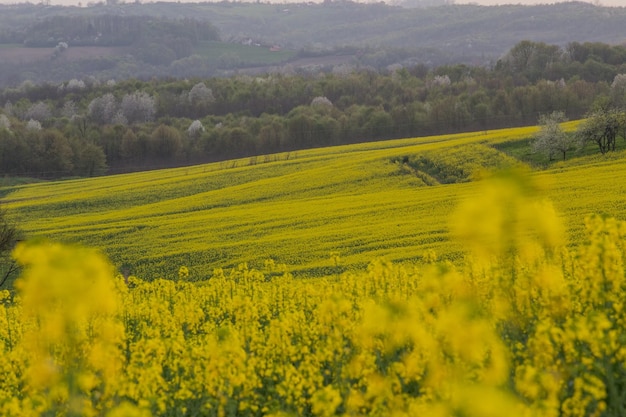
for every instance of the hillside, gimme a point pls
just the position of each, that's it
(491, 30)
(371, 35)
(361, 201)
(279, 298)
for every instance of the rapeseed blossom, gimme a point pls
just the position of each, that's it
(524, 327)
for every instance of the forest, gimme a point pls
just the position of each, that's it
(87, 127)
(201, 40)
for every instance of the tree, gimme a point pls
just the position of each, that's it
(9, 236)
(321, 101)
(519, 57)
(39, 111)
(551, 139)
(201, 98)
(533, 60)
(15, 154)
(195, 129)
(102, 109)
(33, 125)
(601, 127)
(130, 148)
(89, 159)
(75, 85)
(5, 123)
(69, 109)
(272, 135)
(55, 153)
(165, 143)
(138, 107)
(618, 90)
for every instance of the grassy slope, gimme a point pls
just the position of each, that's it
(350, 199)
(245, 54)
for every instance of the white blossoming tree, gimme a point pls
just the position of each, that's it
(195, 129)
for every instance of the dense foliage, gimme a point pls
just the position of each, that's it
(524, 325)
(80, 127)
(9, 236)
(115, 30)
(373, 34)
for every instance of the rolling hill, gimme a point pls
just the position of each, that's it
(525, 324)
(363, 201)
(365, 35)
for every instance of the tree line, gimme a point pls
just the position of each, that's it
(108, 30)
(383, 34)
(89, 127)
(144, 46)
(591, 61)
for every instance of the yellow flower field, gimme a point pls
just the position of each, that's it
(521, 326)
(295, 209)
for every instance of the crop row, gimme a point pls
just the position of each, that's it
(522, 324)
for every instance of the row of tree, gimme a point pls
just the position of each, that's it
(138, 46)
(9, 235)
(48, 153)
(82, 126)
(109, 30)
(602, 126)
(591, 61)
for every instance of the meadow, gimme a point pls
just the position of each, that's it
(364, 201)
(421, 284)
(233, 53)
(292, 208)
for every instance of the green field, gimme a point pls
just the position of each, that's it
(361, 200)
(223, 52)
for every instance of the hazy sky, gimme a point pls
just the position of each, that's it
(613, 3)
